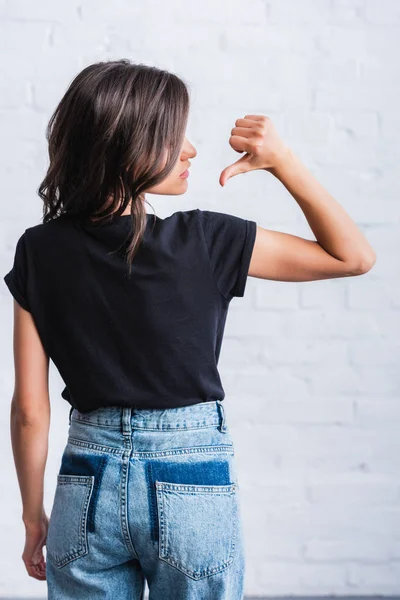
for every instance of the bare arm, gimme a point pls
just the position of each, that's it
(29, 423)
(340, 250)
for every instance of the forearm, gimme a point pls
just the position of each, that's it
(29, 437)
(333, 228)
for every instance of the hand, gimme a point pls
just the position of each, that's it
(257, 136)
(35, 539)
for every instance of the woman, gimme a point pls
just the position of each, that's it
(131, 308)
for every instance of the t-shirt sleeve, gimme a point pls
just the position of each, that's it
(16, 279)
(230, 241)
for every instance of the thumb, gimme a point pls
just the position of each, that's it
(240, 166)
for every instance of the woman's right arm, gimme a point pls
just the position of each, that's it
(340, 249)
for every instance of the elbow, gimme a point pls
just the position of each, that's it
(28, 413)
(365, 264)
(21, 418)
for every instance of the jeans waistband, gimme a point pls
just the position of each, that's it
(202, 414)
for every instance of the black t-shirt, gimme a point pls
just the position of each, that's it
(151, 340)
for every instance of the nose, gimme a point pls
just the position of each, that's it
(189, 149)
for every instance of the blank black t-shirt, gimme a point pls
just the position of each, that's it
(149, 340)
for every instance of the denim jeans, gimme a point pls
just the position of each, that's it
(147, 495)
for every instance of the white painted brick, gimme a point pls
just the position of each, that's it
(304, 13)
(273, 39)
(92, 12)
(352, 519)
(388, 323)
(177, 12)
(22, 124)
(360, 549)
(377, 352)
(322, 294)
(385, 12)
(379, 411)
(252, 323)
(338, 324)
(45, 10)
(322, 125)
(347, 151)
(381, 42)
(395, 550)
(369, 209)
(378, 576)
(386, 240)
(311, 577)
(353, 184)
(344, 42)
(283, 493)
(34, 36)
(327, 68)
(363, 96)
(390, 126)
(286, 210)
(310, 369)
(273, 548)
(348, 12)
(368, 490)
(323, 411)
(367, 293)
(363, 380)
(236, 353)
(314, 352)
(342, 380)
(395, 297)
(277, 296)
(270, 382)
(314, 126)
(13, 93)
(359, 124)
(376, 71)
(345, 448)
(260, 444)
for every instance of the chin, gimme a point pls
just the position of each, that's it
(182, 188)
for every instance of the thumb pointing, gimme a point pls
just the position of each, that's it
(240, 166)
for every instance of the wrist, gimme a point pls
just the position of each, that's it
(284, 157)
(34, 522)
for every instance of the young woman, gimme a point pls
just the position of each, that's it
(131, 308)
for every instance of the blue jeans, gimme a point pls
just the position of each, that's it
(147, 494)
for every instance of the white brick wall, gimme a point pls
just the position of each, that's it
(310, 369)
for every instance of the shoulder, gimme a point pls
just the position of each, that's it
(203, 217)
(225, 227)
(45, 229)
(43, 238)
(178, 223)
(205, 222)
(181, 216)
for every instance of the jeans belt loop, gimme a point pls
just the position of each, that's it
(222, 423)
(126, 420)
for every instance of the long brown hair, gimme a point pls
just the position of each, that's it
(117, 131)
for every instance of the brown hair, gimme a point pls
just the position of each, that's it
(118, 130)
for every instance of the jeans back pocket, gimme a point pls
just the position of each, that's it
(197, 526)
(67, 531)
